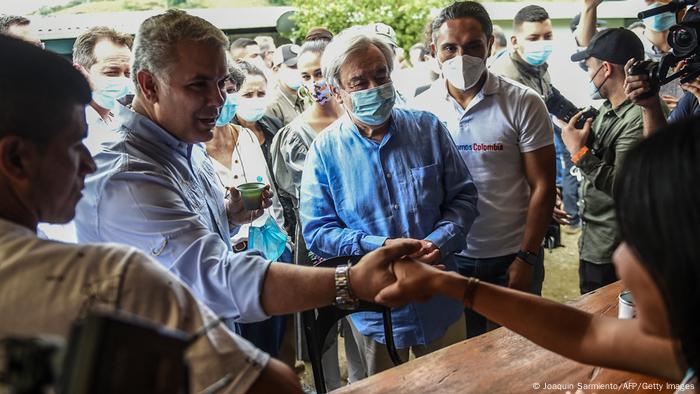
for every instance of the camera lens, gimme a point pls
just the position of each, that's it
(683, 40)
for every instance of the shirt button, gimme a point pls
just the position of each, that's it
(388, 175)
(396, 207)
(235, 161)
(235, 177)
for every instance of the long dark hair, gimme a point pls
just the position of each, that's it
(657, 202)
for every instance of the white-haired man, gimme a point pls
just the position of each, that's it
(379, 174)
(157, 190)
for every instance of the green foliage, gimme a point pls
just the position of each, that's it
(407, 17)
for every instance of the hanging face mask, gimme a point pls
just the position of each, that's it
(537, 52)
(268, 238)
(463, 72)
(318, 91)
(228, 111)
(593, 90)
(110, 89)
(373, 106)
(251, 109)
(660, 22)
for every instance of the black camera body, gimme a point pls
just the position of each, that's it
(683, 39)
(565, 110)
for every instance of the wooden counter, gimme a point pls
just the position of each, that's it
(504, 362)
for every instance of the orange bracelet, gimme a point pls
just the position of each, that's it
(578, 155)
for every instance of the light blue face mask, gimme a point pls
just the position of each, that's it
(268, 239)
(110, 90)
(593, 90)
(660, 22)
(228, 111)
(251, 109)
(536, 53)
(373, 106)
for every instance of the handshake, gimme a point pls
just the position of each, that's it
(404, 271)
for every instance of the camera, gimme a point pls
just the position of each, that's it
(685, 49)
(565, 110)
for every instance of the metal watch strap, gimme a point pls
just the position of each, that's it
(344, 299)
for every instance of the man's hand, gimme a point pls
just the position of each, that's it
(575, 139)
(693, 87)
(415, 282)
(520, 275)
(559, 214)
(239, 215)
(638, 85)
(590, 4)
(670, 101)
(375, 272)
(428, 253)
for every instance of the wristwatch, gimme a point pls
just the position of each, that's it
(528, 257)
(344, 299)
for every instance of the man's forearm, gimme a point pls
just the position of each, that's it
(539, 215)
(291, 288)
(653, 118)
(587, 25)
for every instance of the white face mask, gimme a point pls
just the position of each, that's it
(463, 72)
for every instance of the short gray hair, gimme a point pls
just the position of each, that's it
(155, 42)
(353, 40)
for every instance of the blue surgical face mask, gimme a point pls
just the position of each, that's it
(593, 90)
(251, 109)
(373, 106)
(228, 111)
(109, 89)
(536, 53)
(660, 22)
(268, 238)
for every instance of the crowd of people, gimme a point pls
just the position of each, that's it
(123, 171)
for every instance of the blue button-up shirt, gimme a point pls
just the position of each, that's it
(356, 193)
(161, 195)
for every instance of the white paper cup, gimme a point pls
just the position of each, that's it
(626, 308)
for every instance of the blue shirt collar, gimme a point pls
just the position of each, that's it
(348, 126)
(144, 127)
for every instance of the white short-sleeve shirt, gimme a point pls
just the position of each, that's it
(503, 121)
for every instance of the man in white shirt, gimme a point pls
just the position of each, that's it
(504, 133)
(103, 55)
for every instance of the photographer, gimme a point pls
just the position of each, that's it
(616, 128)
(643, 89)
(654, 40)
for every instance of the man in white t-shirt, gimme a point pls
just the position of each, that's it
(504, 133)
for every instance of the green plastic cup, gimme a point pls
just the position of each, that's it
(251, 193)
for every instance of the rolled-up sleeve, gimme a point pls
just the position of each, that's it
(458, 209)
(145, 210)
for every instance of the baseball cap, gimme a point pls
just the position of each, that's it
(577, 19)
(616, 46)
(318, 33)
(386, 33)
(286, 54)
